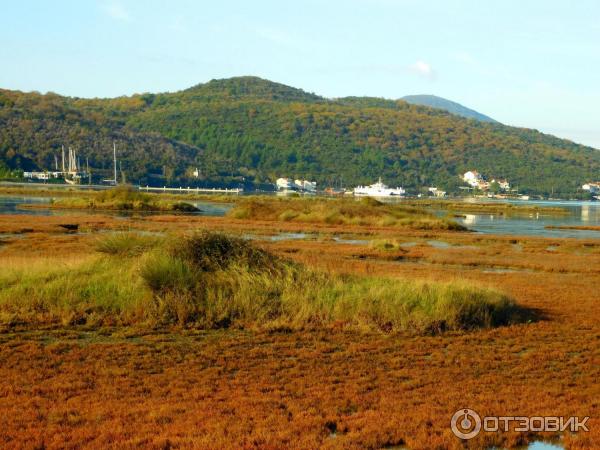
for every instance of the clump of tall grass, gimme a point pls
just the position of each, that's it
(211, 280)
(123, 193)
(386, 244)
(365, 212)
(214, 280)
(123, 198)
(127, 243)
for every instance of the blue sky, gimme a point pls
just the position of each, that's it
(527, 63)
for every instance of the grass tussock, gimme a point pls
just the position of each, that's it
(125, 243)
(120, 198)
(209, 280)
(387, 244)
(365, 212)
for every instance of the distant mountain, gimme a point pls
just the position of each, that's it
(250, 130)
(434, 101)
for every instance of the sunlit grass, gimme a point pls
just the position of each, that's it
(121, 198)
(363, 212)
(211, 280)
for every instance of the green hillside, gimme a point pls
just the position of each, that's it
(254, 130)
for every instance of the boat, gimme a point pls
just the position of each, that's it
(379, 190)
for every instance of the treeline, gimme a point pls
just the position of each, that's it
(248, 130)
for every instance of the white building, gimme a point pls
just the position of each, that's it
(476, 180)
(284, 184)
(44, 176)
(504, 184)
(592, 188)
(305, 185)
(36, 175)
(472, 178)
(437, 192)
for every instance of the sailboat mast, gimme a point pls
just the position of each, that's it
(87, 169)
(115, 160)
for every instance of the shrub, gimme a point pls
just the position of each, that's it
(207, 251)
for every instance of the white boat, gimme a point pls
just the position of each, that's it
(379, 190)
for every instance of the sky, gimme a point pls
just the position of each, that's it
(526, 63)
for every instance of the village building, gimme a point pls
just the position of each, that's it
(476, 180)
(592, 188)
(305, 185)
(472, 178)
(436, 192)
(503, 184)
(284, 184)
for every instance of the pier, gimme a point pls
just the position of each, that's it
(193, 190)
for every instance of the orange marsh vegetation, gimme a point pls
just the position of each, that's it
(135, 387)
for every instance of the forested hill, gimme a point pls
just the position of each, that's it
(254, 130)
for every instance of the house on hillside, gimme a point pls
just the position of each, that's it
(472, 178)
(503, 184)
(592, 188)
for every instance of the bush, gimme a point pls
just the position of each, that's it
(208, 252)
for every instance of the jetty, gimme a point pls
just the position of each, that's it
(193, 190)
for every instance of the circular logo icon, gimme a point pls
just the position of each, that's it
(465, 424)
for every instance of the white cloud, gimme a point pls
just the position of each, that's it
(117, 11)
(423, 69)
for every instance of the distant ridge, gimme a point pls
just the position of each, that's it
(434, 101)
